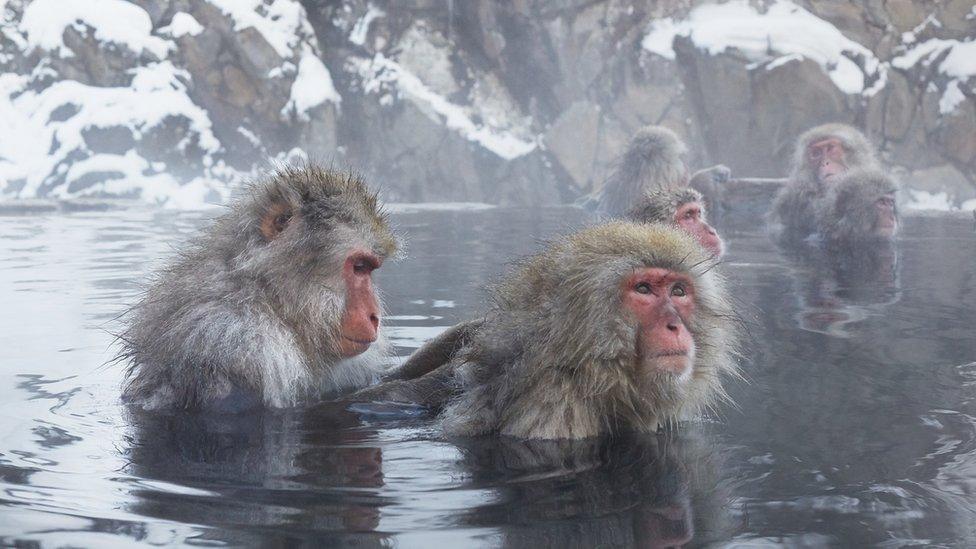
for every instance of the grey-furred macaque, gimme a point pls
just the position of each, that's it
(654, 159)
(272, 305)
(822, 154)
(619, 327)
(859, 206)
(683, 208)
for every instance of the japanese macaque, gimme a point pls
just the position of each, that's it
(682, 207)
(822, 154)
(622, 326)
(272, 305)
(859, 206)
(654, 159)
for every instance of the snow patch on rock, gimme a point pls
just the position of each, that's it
(784, 29)
(114, 21)
(956, 62)
(381, 74)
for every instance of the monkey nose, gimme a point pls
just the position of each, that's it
(374, 319)
(673, 327)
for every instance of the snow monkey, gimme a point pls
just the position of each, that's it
(859, 206)
(821, 155)
(619, 327)
(273, 304)
(653, 159)
(683, 208)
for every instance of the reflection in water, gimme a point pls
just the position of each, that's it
(636, 490)
(860, 440)
(298, 471)
(838, 286)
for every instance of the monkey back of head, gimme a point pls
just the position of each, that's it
(860, 206)
(661, 204)
(654, 158)
(250, 312)
(559, 357)
(793, 207)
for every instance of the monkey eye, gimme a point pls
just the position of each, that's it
(643, 288)
(678, 290)
(364, 265)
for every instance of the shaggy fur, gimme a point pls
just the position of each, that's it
(239, 320)
(653, 159)
(793, 208)
(660, 205)
(556, 358)
(847, 213)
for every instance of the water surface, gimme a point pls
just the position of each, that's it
(855, 426)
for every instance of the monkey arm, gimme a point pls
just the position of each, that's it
(436, 353)
(431, 390)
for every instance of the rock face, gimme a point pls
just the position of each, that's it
(503, 102)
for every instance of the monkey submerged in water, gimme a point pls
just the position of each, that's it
(622, 326)
(682, 208)
(273, 304)
(860, 206)
(822, 155)
(654, 159)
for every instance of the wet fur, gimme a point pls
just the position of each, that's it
(238, 320)
(653, 159)
(660, 205)
(793, 210)
(556, 358)
(848, 213)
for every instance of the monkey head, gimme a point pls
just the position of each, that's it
(826, 152)
(622, 325)
(682, 207)
(654, 158)
(317, 234)
(859, 206)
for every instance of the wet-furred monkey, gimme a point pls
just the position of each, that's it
(682, 207)
(272, 305)
(654, 159)
(860, 206)
(822, 154)
(619, 327)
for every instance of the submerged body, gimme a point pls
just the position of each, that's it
(272, 305)
(821, 156)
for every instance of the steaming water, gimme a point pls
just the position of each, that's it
(856, 425)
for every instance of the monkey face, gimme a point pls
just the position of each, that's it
(886, 220)
(827, 157)
(691, 218)
(663, 303)
(360, 323)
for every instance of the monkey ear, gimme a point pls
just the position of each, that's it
(275, 221)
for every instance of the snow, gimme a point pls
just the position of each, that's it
(958, 65)
(312, 87)
(115, 21)
(924, 200)
(183, 24)
(361, 29)
(280, 22)
(32, 145)
(784, 29)
(381, 71)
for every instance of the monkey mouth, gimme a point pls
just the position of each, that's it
(675, 352)
(350, 346)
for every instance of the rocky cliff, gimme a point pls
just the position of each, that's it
(523, 102)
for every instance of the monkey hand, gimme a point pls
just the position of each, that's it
(720, 173)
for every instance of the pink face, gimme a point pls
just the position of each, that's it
(690, 218)
(828, 157)
(663, 302)
(360, 322)
(886, 224)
